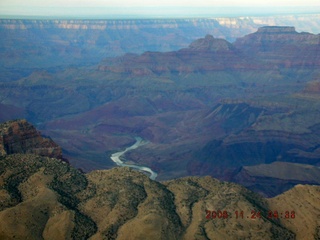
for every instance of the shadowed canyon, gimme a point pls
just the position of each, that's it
(217, 102)
(236, 99)
(42, 197)
(212, 108)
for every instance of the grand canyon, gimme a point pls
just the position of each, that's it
(43, 197)
(227, 110)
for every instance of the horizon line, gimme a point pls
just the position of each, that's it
(156, 13)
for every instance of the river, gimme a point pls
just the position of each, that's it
(116, 158)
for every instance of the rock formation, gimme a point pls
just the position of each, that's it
(19, 136)
(207, 109)
(43, 43)
(44, 198)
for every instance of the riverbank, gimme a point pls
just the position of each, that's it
(115, 157)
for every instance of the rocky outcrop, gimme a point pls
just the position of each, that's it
(282, 46)
(45, 198)
(176, 106)
(307, 195)
(260, 135)
(271, 179)
(267, 49)
(47, 43)
(19, 136)
(276, 35)
(206, 54)
(209, 43)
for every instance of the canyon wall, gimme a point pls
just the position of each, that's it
(49, 43)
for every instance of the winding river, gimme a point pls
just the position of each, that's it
(116, 158)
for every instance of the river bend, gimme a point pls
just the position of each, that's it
(116, 158)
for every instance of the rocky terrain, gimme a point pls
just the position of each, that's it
(45, 198)
(213, 107)
(21, 137)
(38, 44)
(270, 179)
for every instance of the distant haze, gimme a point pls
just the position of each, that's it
(152, 8)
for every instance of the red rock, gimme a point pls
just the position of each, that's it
(19, 136)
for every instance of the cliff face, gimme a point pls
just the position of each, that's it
(203, 55)
(92, 40)
(262, 135)
(265, 50)
(48, 43)
(21, 137)
(272, 35)
(270, 179)
(282, 46)
(177, 101)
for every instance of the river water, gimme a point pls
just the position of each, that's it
(116, 158)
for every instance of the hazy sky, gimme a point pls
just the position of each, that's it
(122, 7)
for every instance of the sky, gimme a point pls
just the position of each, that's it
(154, 7)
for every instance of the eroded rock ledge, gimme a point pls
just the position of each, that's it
(19, 136)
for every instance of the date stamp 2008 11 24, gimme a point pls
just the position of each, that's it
(253, 215)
